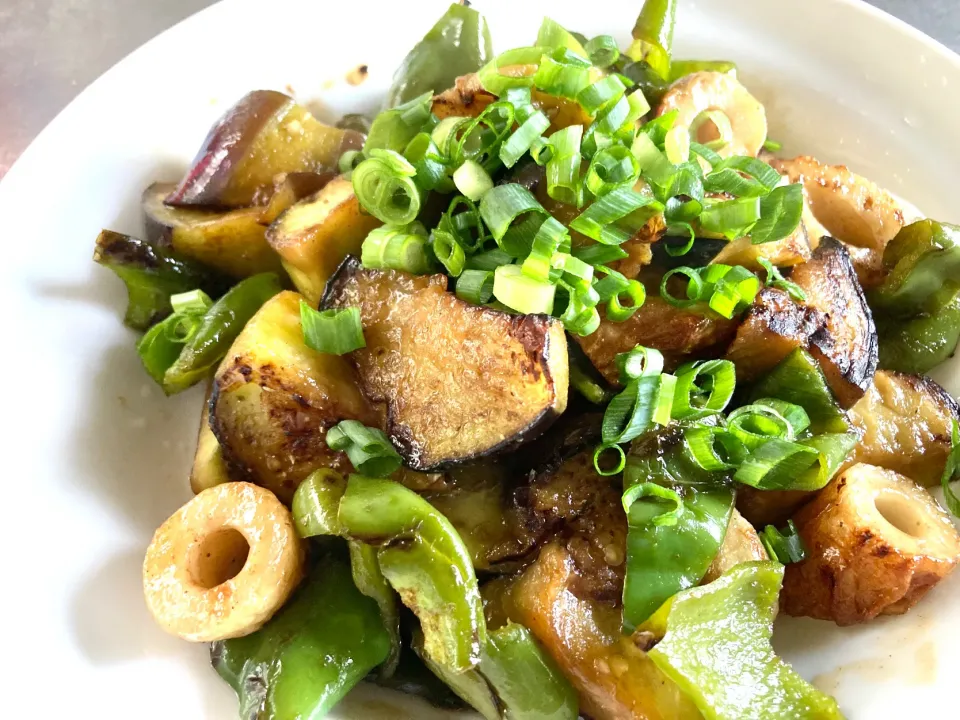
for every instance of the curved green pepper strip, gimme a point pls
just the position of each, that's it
(175, 364)
(714, 642)
(317, 502)
(151, 276)
(921, 343)
(368, 579)
(918, 260)
(300, 664)
(425, 561)
(515, 680)
(457, 45)
(653, 35)
(799, 380)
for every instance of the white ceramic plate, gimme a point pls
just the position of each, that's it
(97, 458)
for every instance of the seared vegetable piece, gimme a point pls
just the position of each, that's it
(266, 133)
(846, 345)
(678, 334)
(218, 328)
(274, 400)
(740, 544)
(770, 507)
(850, 207)
(231, 242)
(459, 381)
(425, 561)
(467, 98)
(919, 344)
(876, 543)
(315, 235)
(799, 380)
(316, 503)
(792, 250)
(653, 35)
(614, 677)
(457, 45)
(478, 506)
(714, 642)
(515, 680)
(291, 189)
(302, 663)
(368, 578)
(208, 468)
(773, 327)
(151, 276)
(904, 424)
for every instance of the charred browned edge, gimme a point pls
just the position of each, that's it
(236, 468)
(785, 317)
(932, 389)
(347, 268)
(206, 177)
(116, 247)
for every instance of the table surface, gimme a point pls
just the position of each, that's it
(51, 49)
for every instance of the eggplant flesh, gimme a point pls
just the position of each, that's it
(459, 381)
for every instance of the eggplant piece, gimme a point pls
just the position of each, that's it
(876, 544)
(846, 346)
(740, 544)
(208, 468)
(774, 327)
(266, 133)
(151, 276)
(232, 242)
(678, 334)
(770, 507)
(459, 381)
(274, 399)
(291, 188)
(792, 250)
(904, 423)
(314, 236)
(612, 674)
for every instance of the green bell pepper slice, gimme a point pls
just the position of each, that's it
(798, 379)
(673, 534)
(918, 260)
(425, 561)
(515, 680)
(714, 642)
(919, 344)
(310, 654)
(458, 44)
(653, 35)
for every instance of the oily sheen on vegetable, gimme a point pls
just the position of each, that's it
(538, 392)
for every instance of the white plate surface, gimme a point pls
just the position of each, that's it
(97, 458)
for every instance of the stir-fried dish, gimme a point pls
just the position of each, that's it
(543, 391)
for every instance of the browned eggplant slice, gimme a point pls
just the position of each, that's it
(459, 381)
(266, 133)
(678, 334)
(233, 242)
(846, 346)
(904, 422)
(315, 235)
(740, 544)
(274, 400)
(291, 188)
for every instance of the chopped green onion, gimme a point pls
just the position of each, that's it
(635, 294)
(522, 293)
(679, 229)
(764, 173)
(677, 145)
(349, 160)
(195, 301)
(712, 158)
(754, 425)
(732, 218)
(780, 214)
(793, 414)
(598, 466)
(704, 387)
(475, 286)
(725, 289)
(547, 241)
(489, 260)
(772, 145)
(775, 279)
(602, 94)
(650, 489)
(335, 332)
(785, 547)
(572, 266)
(368, 449)
(422, 152)
(610, 169)
(654, 165)
(653, 36)
(553, 36)
(599, 254)
(563, 167)
(396, 248)
(950, 472)
(603, 51)
(801, 465)
(524, 137)
(466, 225)
(561, 79)
(599, 220)
(613, 284)
(631, 413)
(385, 188)
(493, 81)
(713, 449)
(694, 290)
(481, 137)
(502, 205)
(472, 180)
(639, 362)
(580, 316)
(720, 122)
(393, 129)
(448, 251)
